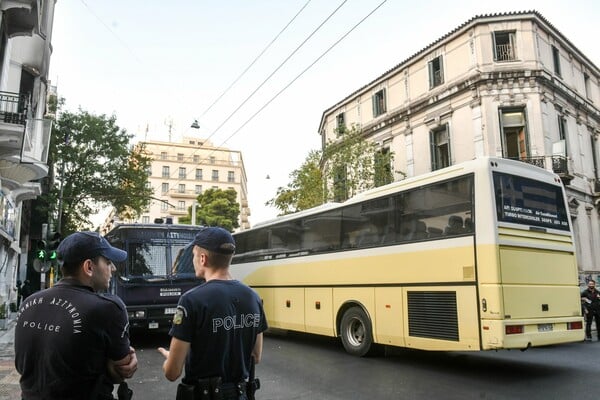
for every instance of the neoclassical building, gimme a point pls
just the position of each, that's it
(25, 50)
(180, 171)
(506, 85)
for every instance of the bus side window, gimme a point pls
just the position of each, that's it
(367, 236)
(468, 225)
(434, 232)
(312, 241)
(455, 225)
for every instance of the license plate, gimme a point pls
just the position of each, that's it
(170, 310)
(544, 327)
(153, 325)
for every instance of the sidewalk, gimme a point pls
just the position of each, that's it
(9, 378)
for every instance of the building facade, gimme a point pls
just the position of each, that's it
(506, 85)
(181, 171)
(25, 50)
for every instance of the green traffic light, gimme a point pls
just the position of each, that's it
(52, 255)
(41, 254)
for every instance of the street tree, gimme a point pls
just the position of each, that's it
(305, 189)
(94, 166)
(345, 167)
(352, 165)
(216, 207)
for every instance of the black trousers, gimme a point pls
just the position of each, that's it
(589, 317)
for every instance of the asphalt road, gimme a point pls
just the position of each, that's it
(298, 366)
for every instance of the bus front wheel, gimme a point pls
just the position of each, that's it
(356, 332)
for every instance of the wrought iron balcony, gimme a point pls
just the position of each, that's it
(505, 52)
(13, 107)
(559, 165)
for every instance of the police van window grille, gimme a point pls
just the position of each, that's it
(147, 260)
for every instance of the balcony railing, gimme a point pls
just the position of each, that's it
(505, 52)
(13, 107)
(183, 193)
(36, 141)
(559, 165)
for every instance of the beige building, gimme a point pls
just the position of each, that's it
(182, 171)
(506, 85)
(25, 50)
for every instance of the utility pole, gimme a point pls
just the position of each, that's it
(194, 204)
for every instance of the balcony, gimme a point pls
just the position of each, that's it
(24, 152)
(183, 194)
(14, 108)
(21, 16)
(559, 165)
(505, 52)
(178, 211)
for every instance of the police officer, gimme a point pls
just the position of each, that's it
(590, 298)
(217, 329)
(71, 342)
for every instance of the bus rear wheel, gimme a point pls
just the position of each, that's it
(357, 333)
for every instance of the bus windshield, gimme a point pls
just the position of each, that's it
(526, 201)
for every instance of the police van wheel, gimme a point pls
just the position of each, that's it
(356, 332)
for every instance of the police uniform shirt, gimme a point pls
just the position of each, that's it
(593, 297)
(220, 319)
(63, 338)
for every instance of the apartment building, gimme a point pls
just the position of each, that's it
(506, 85)
(181, 171)
(25, 49)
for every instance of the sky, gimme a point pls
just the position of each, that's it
(159, 65)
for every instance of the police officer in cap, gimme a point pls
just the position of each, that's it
(71, 341)
(217, 329)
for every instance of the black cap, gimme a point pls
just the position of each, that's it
(81, 246)
(215, 239)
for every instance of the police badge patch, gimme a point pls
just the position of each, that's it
(178, 317)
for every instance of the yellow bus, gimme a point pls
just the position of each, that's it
(476, 256)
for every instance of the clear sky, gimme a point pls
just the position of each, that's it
(156, 64)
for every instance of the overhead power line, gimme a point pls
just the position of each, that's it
(277, 69)
(291, 82)
(256, 59)
(302, 73)
(129, 49)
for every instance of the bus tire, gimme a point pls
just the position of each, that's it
(356, 332)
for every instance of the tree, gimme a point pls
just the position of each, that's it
(94, 166)
(305, 190)
(216, 207)
(349, 164)
(343, 169)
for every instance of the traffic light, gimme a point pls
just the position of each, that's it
(40, 250)
(55, 239)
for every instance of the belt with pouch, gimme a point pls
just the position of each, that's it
(211, 389)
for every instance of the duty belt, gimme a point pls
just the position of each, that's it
(232, 391)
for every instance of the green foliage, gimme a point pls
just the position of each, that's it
(216, 207)
(345, 168)
(94, 166)
(305, 190)
(349, 164)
